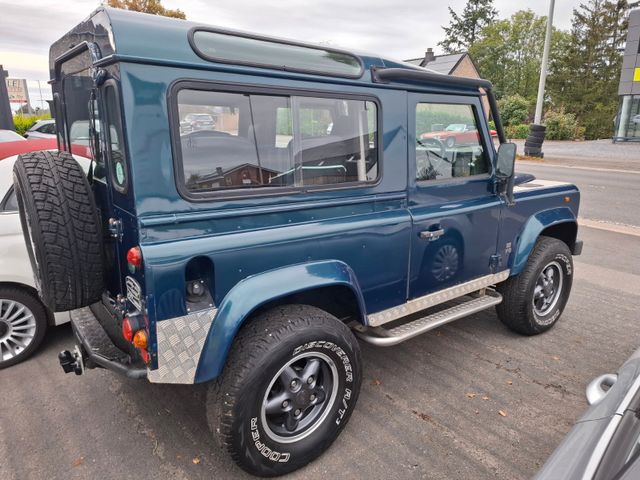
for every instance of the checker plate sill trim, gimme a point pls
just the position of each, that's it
(436, 298)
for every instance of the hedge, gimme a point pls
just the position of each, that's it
(22, 123)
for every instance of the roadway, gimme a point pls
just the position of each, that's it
(429, 408)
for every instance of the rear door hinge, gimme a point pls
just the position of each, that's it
(115, 228)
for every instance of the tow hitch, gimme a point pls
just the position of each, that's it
(72, 361)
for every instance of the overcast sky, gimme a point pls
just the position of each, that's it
(398, 29)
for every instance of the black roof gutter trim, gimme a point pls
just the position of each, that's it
(386, 75)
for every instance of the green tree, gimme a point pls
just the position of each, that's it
(147, 6)
(584, 75)
(464, 29)
(509, 53)
(514, 109)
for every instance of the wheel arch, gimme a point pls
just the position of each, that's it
(560, 223)
(329, 285)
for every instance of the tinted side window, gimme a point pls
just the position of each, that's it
(238, 140)
(448, 143)
(81, 112)
(49, 128)
(114, 136)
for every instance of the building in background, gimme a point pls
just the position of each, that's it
(628, 119)
(456, 64)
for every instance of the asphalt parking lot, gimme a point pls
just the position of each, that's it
(469, 401)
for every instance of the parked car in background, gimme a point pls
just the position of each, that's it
(10, 136)
(200, 121)
(9, 149)
(24, 319)
(457, 134)
(636, 119)
(605, 443)
(42, 129)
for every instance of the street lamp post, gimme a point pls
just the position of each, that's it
(543, 68)
(533, 147)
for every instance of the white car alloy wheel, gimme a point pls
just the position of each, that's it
(23, 324)
(17, 329)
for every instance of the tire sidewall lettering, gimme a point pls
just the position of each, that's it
(332, 347)
(263, 449)
(566, 263)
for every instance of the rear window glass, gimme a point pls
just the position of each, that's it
(233, 48)
(255, 141)
(115, 136)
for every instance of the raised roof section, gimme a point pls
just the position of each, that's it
(156, 39)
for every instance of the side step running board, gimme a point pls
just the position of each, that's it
(383, 337)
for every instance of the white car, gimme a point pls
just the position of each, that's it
(10, 136)
(41, 129)
(23, 317)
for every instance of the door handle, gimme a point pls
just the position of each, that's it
(431, 235)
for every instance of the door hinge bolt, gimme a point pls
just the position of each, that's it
(115, 228)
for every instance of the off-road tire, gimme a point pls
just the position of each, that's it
(260, 350)
(532, 151)
(61, 227)
(536, 137)
(40, 315)
(516, 310)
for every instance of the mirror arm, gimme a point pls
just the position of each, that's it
(504, 187)
(508, 192)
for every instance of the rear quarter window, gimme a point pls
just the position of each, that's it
(258, 142)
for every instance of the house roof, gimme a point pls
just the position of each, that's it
(445, 64)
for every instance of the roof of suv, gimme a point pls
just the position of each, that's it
(143, 38)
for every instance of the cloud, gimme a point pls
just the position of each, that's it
(397, 29)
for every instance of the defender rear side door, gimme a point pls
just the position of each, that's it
(454, 208)
(80, 131)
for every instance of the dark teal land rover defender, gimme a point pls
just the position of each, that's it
(257, 206)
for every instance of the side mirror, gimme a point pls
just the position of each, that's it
(506, 160)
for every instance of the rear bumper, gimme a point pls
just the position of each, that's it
(98, 348)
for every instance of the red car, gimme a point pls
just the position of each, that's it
(457, 134)
(9, 149)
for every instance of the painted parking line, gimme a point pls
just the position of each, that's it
(610, 226)
(574, 167)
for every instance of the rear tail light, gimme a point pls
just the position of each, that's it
(144, 355)
(134, 257)
(133, 331)
(127, 330)
(140, 339)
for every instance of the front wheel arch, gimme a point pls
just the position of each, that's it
(566, 232)
(559, 223)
